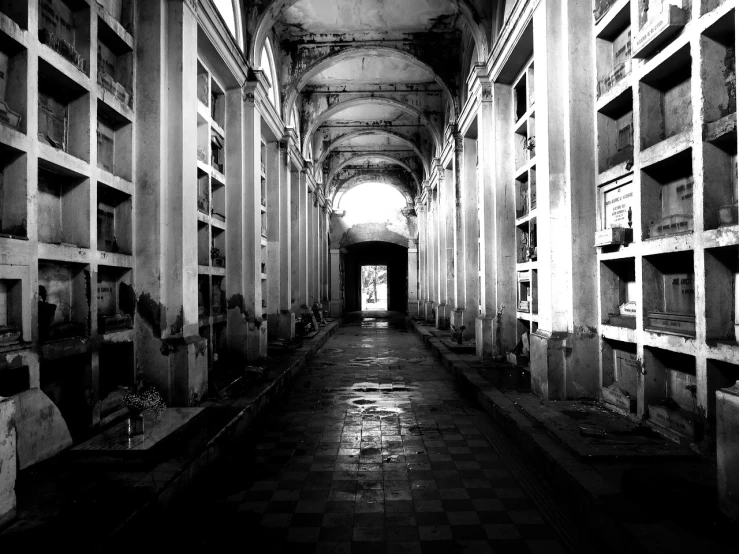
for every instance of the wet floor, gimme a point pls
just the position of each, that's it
(375, 451)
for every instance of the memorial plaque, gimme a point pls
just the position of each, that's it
(658, 29)
(618, 204)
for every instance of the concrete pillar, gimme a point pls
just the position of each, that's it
(256, 347)
(458, 269)
(470, 226)
(325, 258)
(8, 462)
(564, 349)
(727, 450)
(432, 255)
(169, 348)
(413, 278)
(280, 320)
(337, 304)
(445, 249)
(496, 334)
(299, 215)
(422, 245)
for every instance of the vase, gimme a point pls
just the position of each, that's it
(135, 424)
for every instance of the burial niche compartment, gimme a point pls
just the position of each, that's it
(63, 112)
(613, 51)
(64, 300)
(68, 383)
(114, 215)
(114, 142)
(63, 204)
(667, 196)
(13, 196)
(115, 64)
(666, 100)
(116, 299)
(64, 26)
(16, 10)
(722, 276)
(620, 375)
(616, 132)
(13, 90)
(669, 293)
(11, 313)
(618, 292)
(671, 392)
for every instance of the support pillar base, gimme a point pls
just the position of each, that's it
(281, 326)
(456, 319)
(443, 316)
(485, 338)
(429, 313)
(8, 464)
(256, 341)
(336, 308)
(413, 309)
(727, 450)
(563, 365)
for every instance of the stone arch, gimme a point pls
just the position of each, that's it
(364, 157)
(337, 193)
(341, 106)
(379, 132)
(357, 51)
(271, 14)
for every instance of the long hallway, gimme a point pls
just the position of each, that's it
(376, 450)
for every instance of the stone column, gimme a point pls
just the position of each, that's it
(443, 237)
(458, 269)
(326, 259)
(564, 349)
(169, 348)
(300, 242)
(251, 210)
(422, 248)
(727, 450)
(413, 278)
(496, 334)
(432, 260)
(8, 462)
(281, 321)
(471, 226)
(337, 304)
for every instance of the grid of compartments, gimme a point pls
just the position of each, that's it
(84, 300)
(668, 242)
(524, 144)
(263, 219)
(211, 208)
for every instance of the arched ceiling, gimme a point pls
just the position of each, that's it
(373, 80)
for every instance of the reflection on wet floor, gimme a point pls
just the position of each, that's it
(376, 451)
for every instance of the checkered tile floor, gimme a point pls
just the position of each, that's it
(376, 451)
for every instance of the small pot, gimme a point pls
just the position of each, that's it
(135, 425)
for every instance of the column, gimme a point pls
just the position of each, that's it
(413, 278)
(169, 348)
(432, 256)
(459, 269)
(299, 215)
(256, 346)
(287, 316)
(422, 247)
(337, 305)
(445, 216)
(326, 260)
(495, 330)
(8, 461)
(470, 226)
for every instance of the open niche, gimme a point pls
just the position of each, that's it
(63, 300)
(16, 10)
(63, 203)
(13, 96)
(722, 277)
(64, 26)
(114, 142)
(620, 375)
(115, 64)
(669, 293)
(618, 292)
(667, 196)
(11, 312)
(114, 220)
(116, 299)
(13, 199)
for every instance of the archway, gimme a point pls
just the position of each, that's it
(376, 253)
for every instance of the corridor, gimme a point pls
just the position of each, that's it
(376, 450)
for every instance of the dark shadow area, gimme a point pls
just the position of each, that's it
(377, 253)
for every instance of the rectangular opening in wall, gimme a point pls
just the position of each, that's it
(219, 247)
(115, 64)
(520, 144)
(616, 132)
(534, 291)
(203, 141)
(218, 209)
(114, 142)
(615, 213)
(669, 293)
(120, 10)
(720, 184)
(671, 392)
(204, 296)
(263, 173)
(63, 112)
(114, 220)
(524, 292)
(666, 101)
(719, 375)
(522, 195)
(722, 273)
(521, 354)
(204, 249)
(117, 373)
(217, 152)
(203, 85)
(67, 382)
(620, 375)
(64, 26)
(374, 287)
(13, 90)
(526, 250)
(520, 98)
(718, 73)
(11, 312)
(618, 293)
(659, 22)
(16, 10)
(13, 198)
(217, 104)
(64, 300)
(116, 299)
(667, 196)
(613, 51)
(601, 8)
(63, 204)
(203, 192)
(15, 376)
(218, 296)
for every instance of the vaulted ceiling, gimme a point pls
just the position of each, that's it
(375, 81)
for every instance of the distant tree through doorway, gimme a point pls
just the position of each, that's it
(374, 288)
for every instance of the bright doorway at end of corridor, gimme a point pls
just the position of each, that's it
(374, 288)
